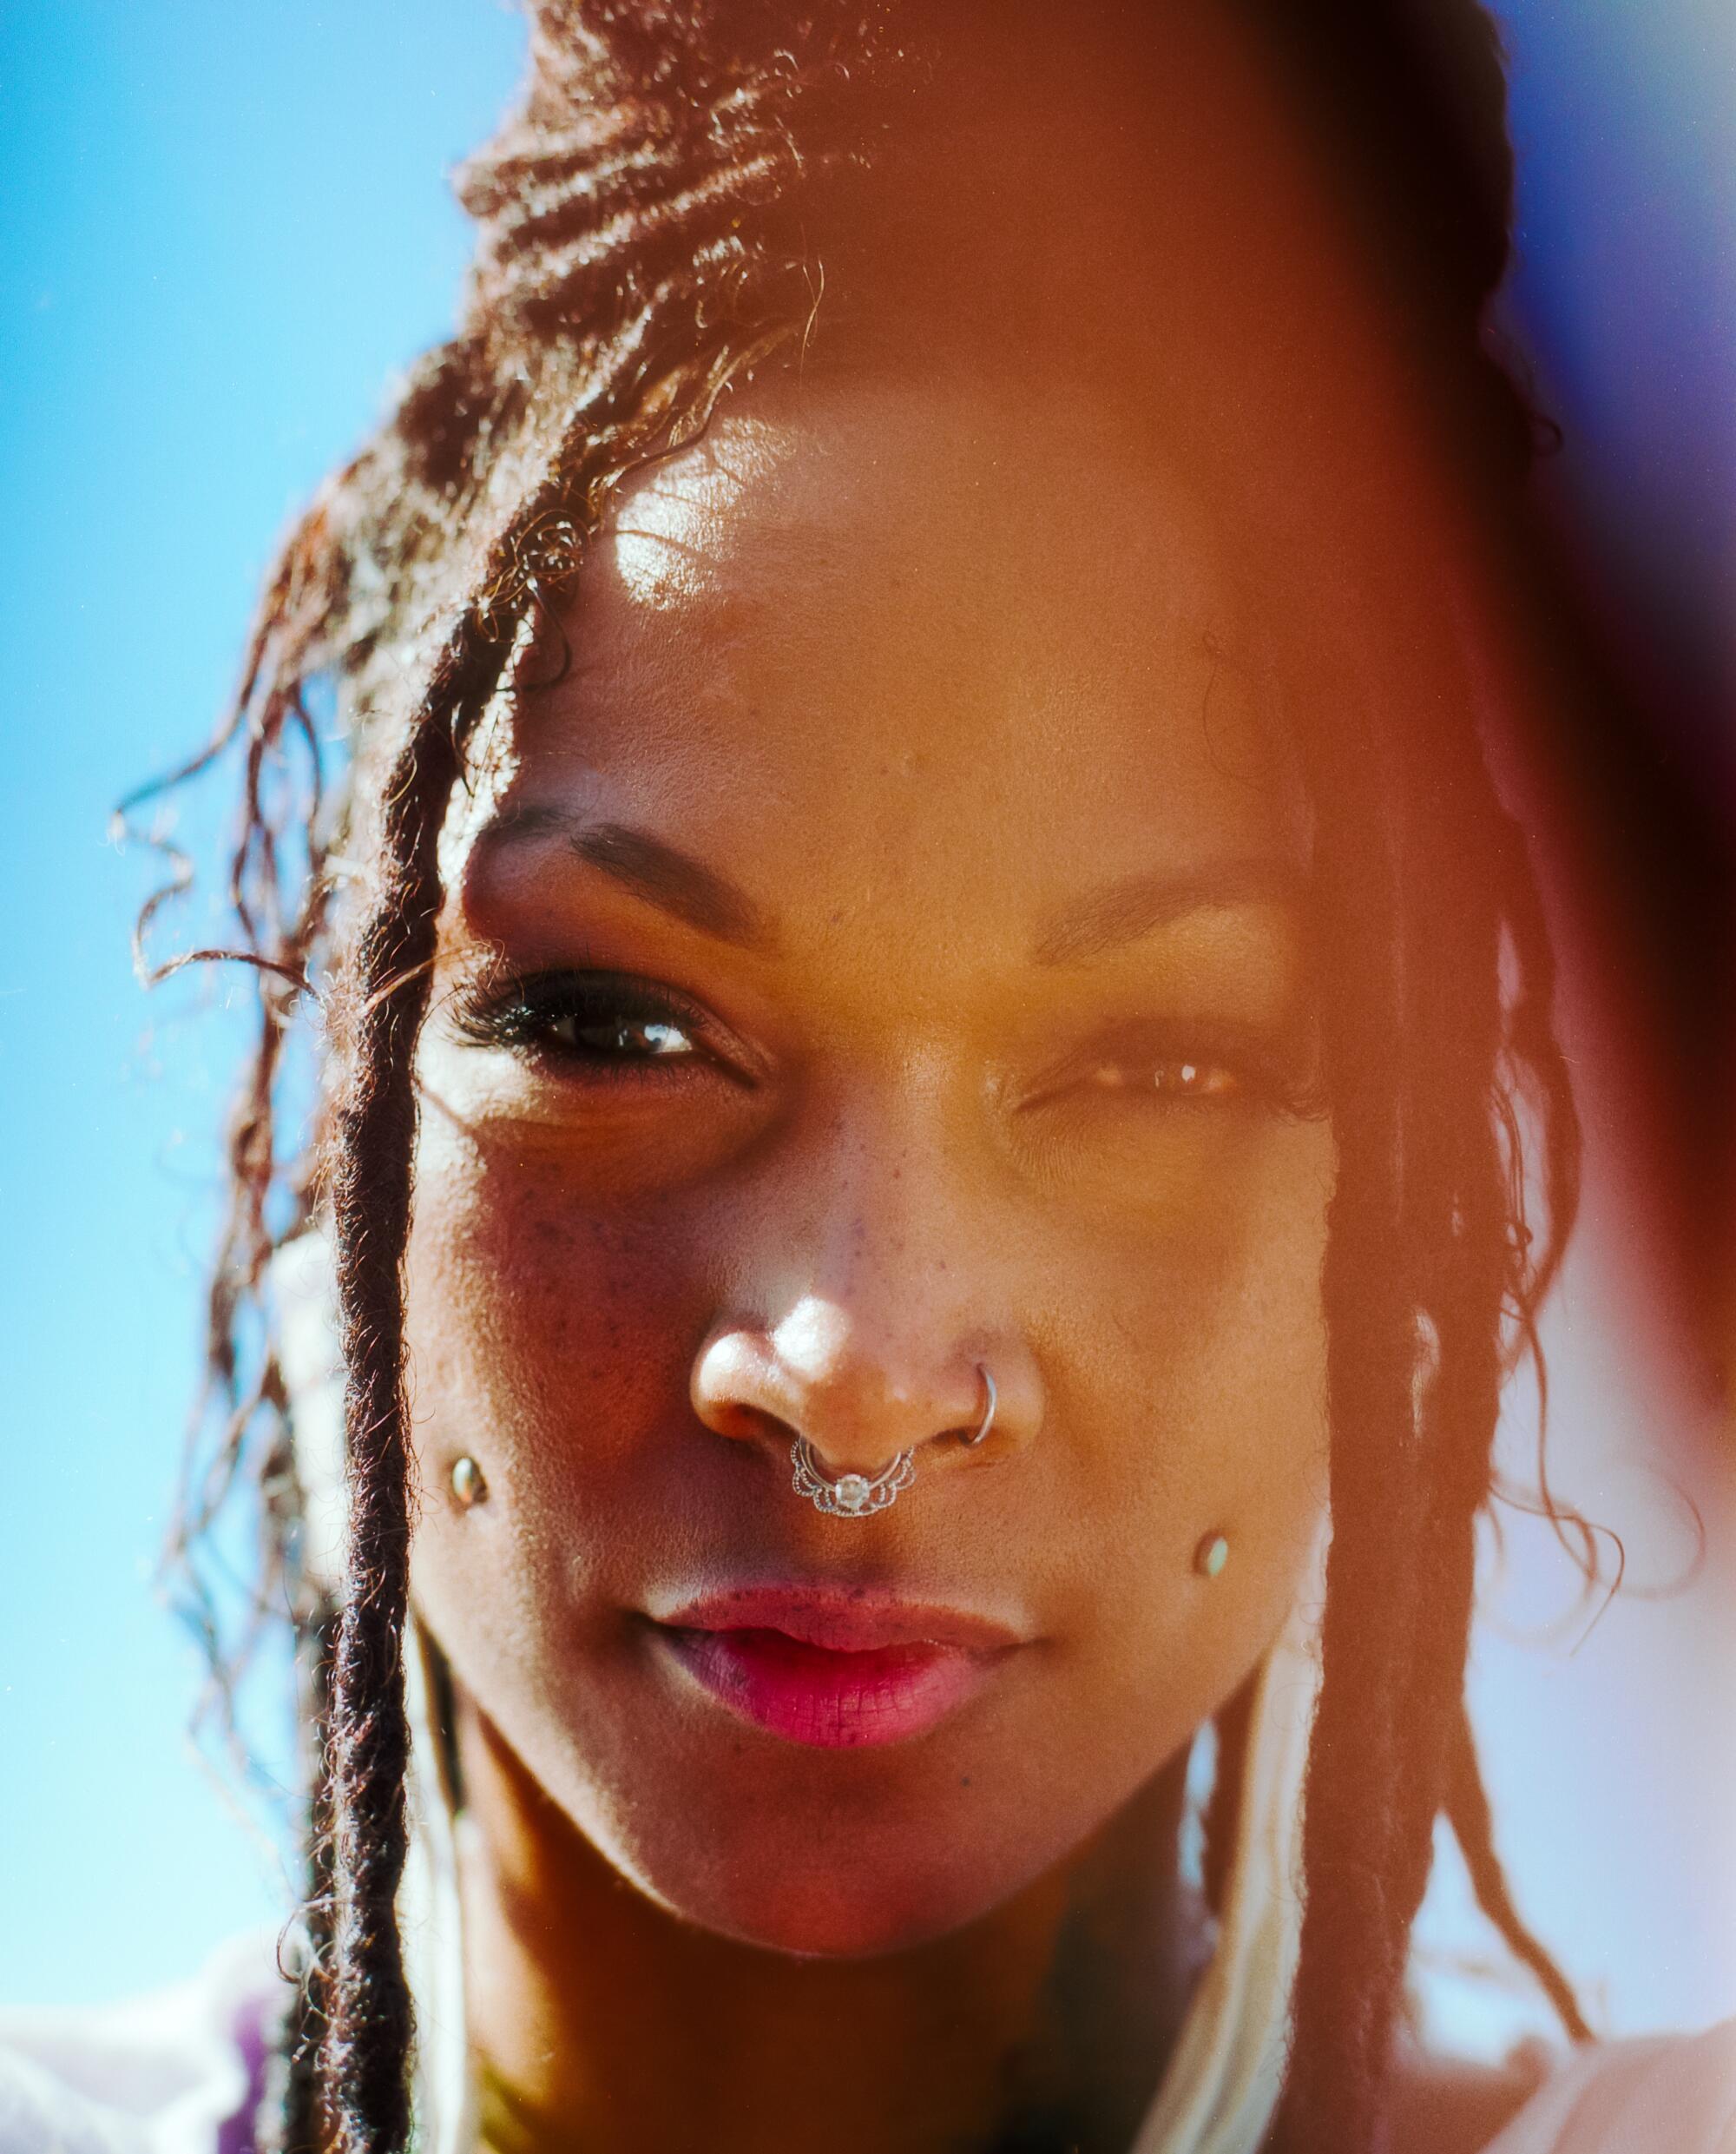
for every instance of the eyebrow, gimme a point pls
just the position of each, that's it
(658, 872)
(1125, 910)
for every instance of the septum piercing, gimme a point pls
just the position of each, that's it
(468, 1484)
(852, 1495)
(857, 1495)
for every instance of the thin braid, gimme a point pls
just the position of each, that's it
(1517, 1269)
(1458, 1231)
(1420, 1227)
(1473, 1824)
(289, 2118)
(1481, 1285)
(367, 2038)
(365, 2055)
(1352, 1947)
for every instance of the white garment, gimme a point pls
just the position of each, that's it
(1673, 2094)
(166, 2074)
(170, 2073)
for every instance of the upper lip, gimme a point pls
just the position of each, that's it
(842, 1619)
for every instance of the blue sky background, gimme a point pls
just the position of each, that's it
(221, 229)
(225, 228)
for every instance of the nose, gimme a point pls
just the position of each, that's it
(861, 1394)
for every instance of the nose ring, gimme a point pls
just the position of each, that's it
(858, 1495)
(987, 1420)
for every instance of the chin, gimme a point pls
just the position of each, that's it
(843, 1910)
(845, 1853)
(820, 1871)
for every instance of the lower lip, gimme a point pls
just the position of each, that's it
(829, 1700)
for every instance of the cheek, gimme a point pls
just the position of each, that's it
(553, 1343)
(561, 1325)
(1201, 1339)
(1198, 1374)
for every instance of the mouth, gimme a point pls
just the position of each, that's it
(834, 1670)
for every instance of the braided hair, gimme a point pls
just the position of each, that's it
(647, 218)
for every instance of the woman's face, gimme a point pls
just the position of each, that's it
(877, 960)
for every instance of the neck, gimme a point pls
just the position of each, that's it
(600, 2024)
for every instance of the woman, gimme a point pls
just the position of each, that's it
(916, 895)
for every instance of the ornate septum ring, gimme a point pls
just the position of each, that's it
(852, 1495)
(859, 1495)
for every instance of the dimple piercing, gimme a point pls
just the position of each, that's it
(1210, 1555)
(468, 1484)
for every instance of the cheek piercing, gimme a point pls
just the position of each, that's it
(468, 1485)
(1210, 1555)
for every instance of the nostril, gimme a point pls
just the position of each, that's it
(747, 1424)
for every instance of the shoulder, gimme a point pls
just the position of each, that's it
(1636, 2096)
(178, 2072)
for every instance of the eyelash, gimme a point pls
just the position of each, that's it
(1199, 1067)
(527, 1015)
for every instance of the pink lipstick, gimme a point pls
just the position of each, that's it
(835, 1669)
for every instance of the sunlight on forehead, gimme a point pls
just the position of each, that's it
(893, 649)
(658, 545)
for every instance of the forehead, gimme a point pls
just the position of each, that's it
(957, 634)
(972, 489)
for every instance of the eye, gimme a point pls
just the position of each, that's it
(618, 1034)
(589, 1022)
(1141, 1069)
(1174, 1076)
